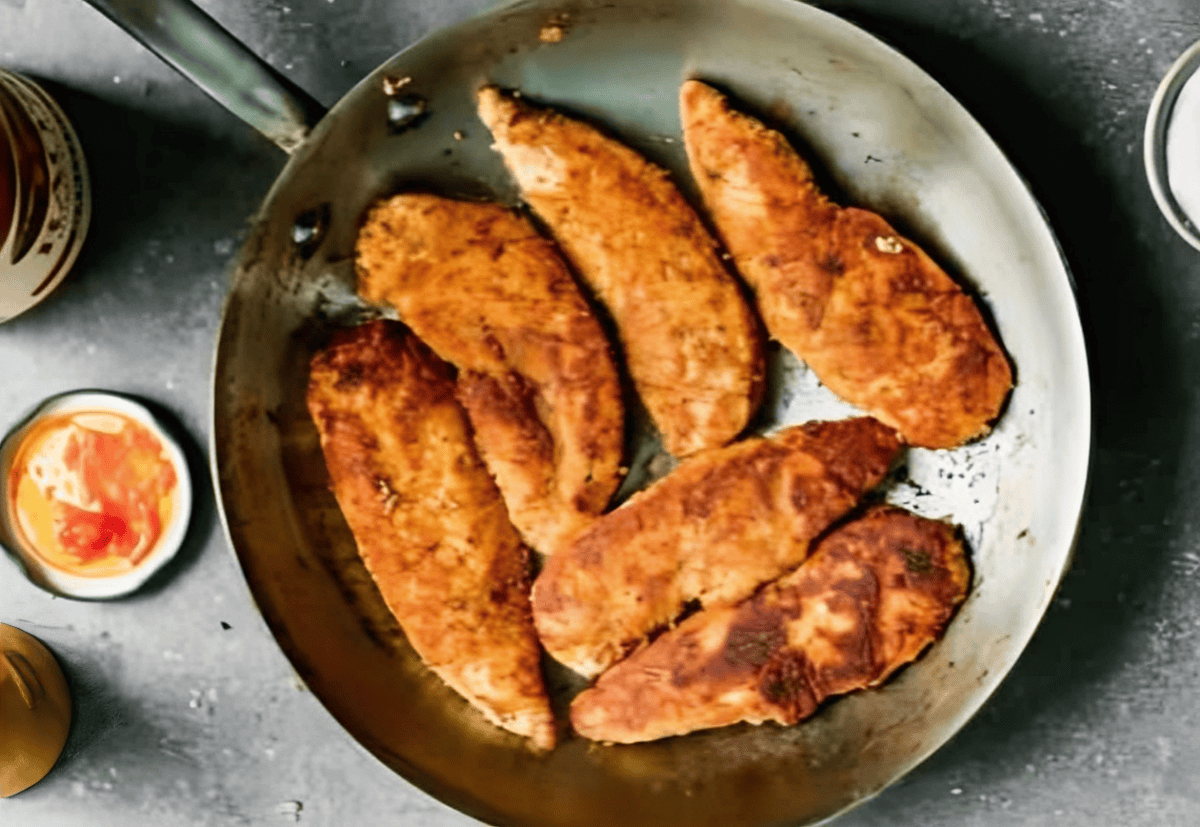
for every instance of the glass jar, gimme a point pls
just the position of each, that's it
(45, 201)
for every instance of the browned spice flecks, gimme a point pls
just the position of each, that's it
(719, 525)
(692, 344)
(428, 521)
(850, 616)
(536, 374)
(881, 324)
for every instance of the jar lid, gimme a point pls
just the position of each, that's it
(95, 494)
(35, 710)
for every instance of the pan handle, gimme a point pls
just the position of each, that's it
(205, 53)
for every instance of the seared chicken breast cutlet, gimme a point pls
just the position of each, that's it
(691, 342)
(873, 595)
(428, 521)
(875, 318)
(711, 531)
(536, 373)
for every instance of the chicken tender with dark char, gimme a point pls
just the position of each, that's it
(428, 521)
(874, 594)
(536, 373)
(878, 321)
(691, 341)
(711, 531)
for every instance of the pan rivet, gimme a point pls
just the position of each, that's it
(309, 229)
(404, 113)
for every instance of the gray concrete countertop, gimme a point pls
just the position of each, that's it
(187, 712)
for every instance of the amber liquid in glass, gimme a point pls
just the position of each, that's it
(8, 187)
(45, 200)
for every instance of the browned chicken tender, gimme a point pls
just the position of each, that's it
(428, 521)
(875, 593)
(536, 372)
(711, 531)
(875, 318)
(691, 342)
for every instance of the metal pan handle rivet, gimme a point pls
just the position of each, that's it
(309, 230)
(406, 112)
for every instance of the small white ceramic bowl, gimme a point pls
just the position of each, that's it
(64, 583)
(1158, 122)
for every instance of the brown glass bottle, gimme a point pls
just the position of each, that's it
(45, 202)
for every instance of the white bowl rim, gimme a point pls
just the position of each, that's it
(98, 588)
(1154, 147)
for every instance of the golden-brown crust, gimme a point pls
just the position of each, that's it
(875, 593)
(536, 373)
(428, 521)
(691, 341)
(711, 531)
(876, 319)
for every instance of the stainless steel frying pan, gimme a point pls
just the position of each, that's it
(887, 135)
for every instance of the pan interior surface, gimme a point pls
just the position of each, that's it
(889, 138)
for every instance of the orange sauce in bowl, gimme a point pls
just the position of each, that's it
(91, 493)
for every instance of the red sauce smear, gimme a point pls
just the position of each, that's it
(103, 495)
(109, 465)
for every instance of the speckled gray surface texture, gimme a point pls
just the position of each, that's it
(188, 714)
